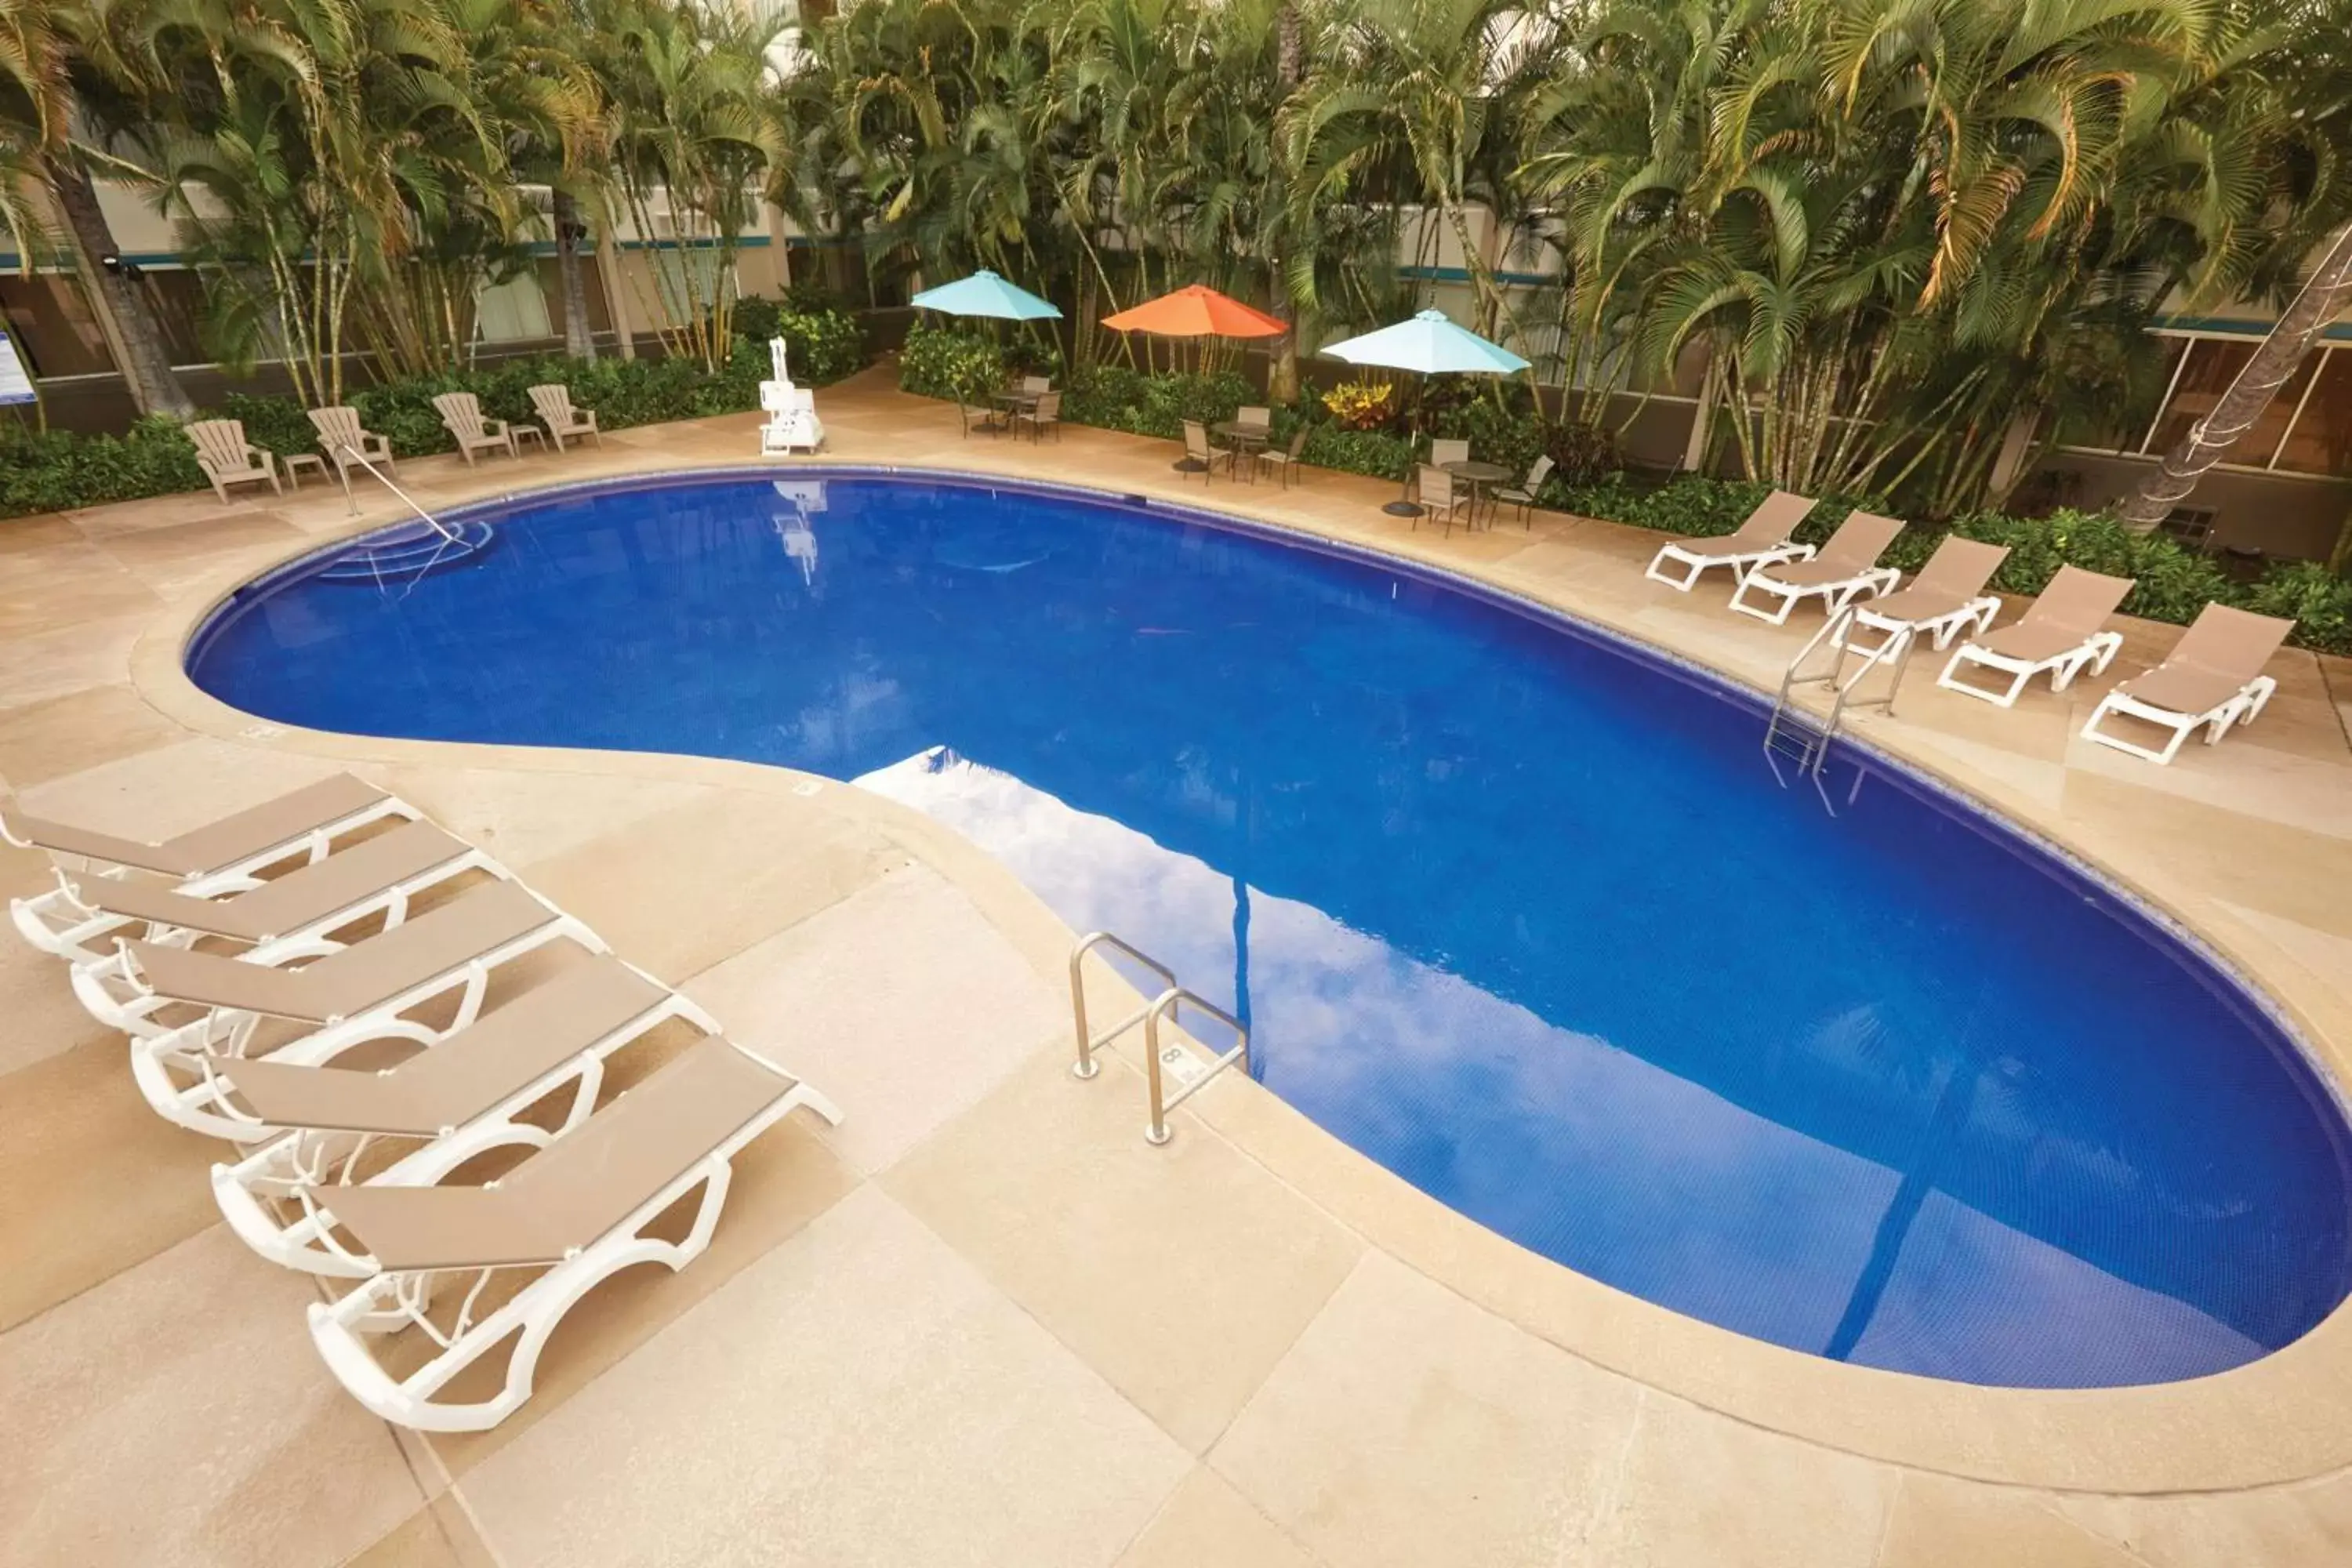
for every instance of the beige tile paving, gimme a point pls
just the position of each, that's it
(901, 1001)
(1941, 1523)
(1408, 1428)
(62, 735)
(2291, 1527)
(177, 1414)
(1208, 1524)
(1184, 1273)
(858, 1397)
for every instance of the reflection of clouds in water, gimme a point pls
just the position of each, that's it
(1577, 1149)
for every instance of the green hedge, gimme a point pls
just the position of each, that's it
(58, 470)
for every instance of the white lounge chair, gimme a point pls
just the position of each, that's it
(461, 416)
(228, 459)
(1761, 541)
(1946, 596)
(2064, 633)
(344, 442)
(576, 1213)
(553, 401)
(452, 1103)
(2211, 679)
(375, 876)
(1846, 570)
(220, 856)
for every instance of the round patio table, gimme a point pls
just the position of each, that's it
(1475, 474)
(1245, 438)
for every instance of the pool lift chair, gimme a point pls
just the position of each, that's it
(1946, 596)
(792, 424)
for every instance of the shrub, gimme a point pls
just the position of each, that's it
(55, 471)
(1362, 405)
(949, 363)
(276, 422)
(822, 345)
(1120, 398)
(1373, 452)
(2317, 600)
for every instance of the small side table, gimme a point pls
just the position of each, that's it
(297, 461)
(515, 433)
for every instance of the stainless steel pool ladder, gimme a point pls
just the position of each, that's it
(431, 521)
(1795, 734)
(1167, 1005)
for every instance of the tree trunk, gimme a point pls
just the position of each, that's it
(1289, 64)
(579, 341)
(146, 364)
(2325, 295)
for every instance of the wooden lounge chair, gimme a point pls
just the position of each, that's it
(461, 416)
(1197, 450)
(553, 401)
(453, 1102)
(1044, 414)
(2062, 633)
(1946, 596)
(220, 856)
(1523, 494)
(1438, 497)
(228, 459)
(344, 442)
(1846, 570)
(1285, 463)
(1761, 541)
(375, 876)
(576, 1213)
(2213, 679)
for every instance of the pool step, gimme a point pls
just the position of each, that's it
(407, 554)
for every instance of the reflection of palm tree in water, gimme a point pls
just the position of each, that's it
(1953, 1097)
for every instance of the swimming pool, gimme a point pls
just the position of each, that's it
(1517, 912)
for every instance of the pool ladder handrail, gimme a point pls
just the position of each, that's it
(346, 449)
(1168, 1003)
(1811, 738)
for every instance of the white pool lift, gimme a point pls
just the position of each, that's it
(792, 424)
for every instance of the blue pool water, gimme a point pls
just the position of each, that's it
(1520, 915)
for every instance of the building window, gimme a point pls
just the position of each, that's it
(2306, 429)
(52, 326)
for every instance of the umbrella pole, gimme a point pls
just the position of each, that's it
(1403, 506)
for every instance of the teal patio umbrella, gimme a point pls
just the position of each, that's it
(985, 294)
(1428, 344)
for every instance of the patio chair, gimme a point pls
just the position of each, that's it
(553, 401)
(343, 441)
(976, 417)
(1198, 450)
(1761, 541)
(461, 416)
(1438, 497)
(1443, 452)
(1263, 418)
(1846, 570)
(228, 459)
(1285, 463)
(2213, 679)
(333, 988)
(2064, 633)
(450, 1104)
(375, 876)
(1036, 386)
(222, 856)
(1045, 415)
(1946, 596)
(1523, 494)
(578, 1209)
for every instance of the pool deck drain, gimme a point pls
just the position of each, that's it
(984, 1322)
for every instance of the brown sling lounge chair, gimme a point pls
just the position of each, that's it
(2063, 632)
(1847, 569)
(1761, 541)
(576, 1212)
(2213, 678)
(1947, 594)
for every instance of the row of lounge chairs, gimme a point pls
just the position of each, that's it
(341, 1172)
(227, 459)
(2212, 680)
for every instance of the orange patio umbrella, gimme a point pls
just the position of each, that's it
(1196, 311)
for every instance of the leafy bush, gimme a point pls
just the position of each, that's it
(951, 364)
(823, 345)
(1119, 397)
(1362, 405)
(2317, 600)
(56, 471)
(1373, 452)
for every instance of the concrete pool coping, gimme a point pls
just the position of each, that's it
(2278, 1419)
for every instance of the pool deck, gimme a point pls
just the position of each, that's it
(982, 1322)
